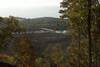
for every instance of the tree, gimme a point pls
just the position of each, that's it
(7, 26)
(81, 29)
(96, 35)
(25, 53)
(55, 56)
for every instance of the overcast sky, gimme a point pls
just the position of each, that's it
(30, 8)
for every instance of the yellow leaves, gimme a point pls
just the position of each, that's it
(73, 14)
(39, 60)
(11, 60)
(7, 58)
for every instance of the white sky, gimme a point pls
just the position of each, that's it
(30, 8)
(27, 3)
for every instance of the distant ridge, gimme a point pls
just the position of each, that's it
(43, 22)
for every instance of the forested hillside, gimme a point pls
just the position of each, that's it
(36, 38)
(43, 22)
